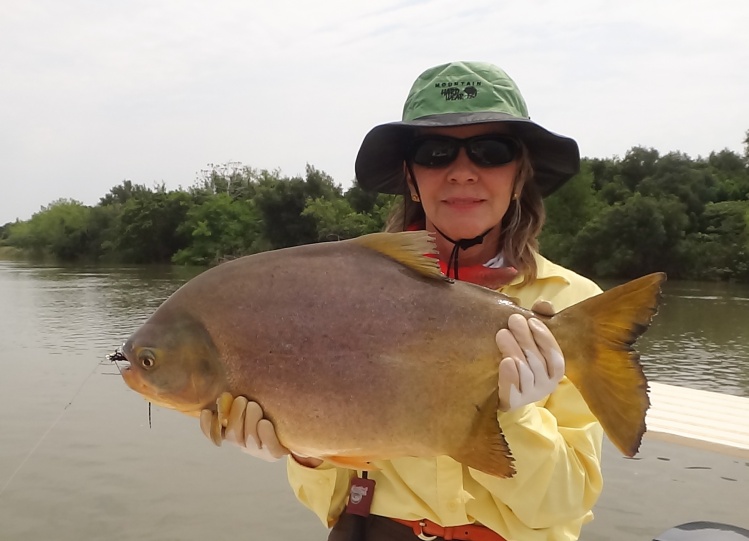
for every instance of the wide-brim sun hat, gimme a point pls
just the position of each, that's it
(461, 94)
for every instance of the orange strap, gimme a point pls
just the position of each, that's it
(427, 530)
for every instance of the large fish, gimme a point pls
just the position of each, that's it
(362, 350)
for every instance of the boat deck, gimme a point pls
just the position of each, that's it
(693, 465)
(703, 419)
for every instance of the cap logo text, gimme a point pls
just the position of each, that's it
(452, 91)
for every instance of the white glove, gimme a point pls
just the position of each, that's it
(532, 363)
(243, 424)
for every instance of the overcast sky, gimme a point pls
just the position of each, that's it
(93, 93)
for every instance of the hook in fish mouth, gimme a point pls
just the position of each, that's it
(118, 356)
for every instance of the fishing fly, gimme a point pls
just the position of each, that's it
(119, 356)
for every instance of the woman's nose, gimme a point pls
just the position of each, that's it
(462, 169)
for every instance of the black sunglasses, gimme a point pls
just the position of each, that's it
(488, 150)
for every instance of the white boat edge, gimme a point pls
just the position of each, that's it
(704, 419)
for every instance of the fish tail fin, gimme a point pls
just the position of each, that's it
(606, 368)
(486, 448)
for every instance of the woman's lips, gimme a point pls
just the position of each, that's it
(463, 202)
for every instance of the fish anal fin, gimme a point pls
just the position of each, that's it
(352, 462)
(410, 248)
(486, 449)
(606, 369)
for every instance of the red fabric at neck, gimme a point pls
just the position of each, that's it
(493, 278)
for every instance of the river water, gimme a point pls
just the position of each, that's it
(78, 459)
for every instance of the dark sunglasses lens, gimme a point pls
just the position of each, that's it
(492, 151)
(434, 152)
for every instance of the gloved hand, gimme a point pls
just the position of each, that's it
(532, 363)
(241, 422)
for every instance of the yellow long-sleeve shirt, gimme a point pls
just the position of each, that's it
(556, 443)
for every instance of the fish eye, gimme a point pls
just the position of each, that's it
(147, 359)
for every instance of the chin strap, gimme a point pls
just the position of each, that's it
(462, 244)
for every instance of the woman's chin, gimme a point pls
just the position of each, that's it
(457, 231)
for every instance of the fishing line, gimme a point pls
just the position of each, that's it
(46, 433)
(118, 356)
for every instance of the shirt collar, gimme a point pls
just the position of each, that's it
(545, 270)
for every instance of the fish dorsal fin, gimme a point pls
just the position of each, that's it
(410, 248)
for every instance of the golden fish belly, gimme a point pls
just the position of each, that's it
(364, 355)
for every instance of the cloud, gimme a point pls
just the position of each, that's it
(154, 90)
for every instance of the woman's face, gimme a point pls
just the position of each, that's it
(463, 199)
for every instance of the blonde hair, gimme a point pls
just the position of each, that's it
(519, 228)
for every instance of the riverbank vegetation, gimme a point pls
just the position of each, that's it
(618, 218)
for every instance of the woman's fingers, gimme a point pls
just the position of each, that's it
(520, 328)
(543, 308)
(235, 431)
(508, 345)
(532, 363)
(253, 415)
(550, 351)
(509, 382)
(242, 422)
(270, 445)
(206, 416)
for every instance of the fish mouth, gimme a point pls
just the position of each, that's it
(120, 361)
(133, 378)
(125, 367)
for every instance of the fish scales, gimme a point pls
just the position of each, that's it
(361, 350)
(337, 335)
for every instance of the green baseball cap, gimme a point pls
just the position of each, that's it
(460, 94)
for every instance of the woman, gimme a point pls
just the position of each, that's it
(473, 169)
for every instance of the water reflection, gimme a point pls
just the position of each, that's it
(91, 305)
(700, 338)
(69, 429)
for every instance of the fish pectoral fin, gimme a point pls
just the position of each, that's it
(352, 462)
(486, 449)
(410, 248)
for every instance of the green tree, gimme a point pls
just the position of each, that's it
(5, 232)
(282, 201)
(361, 200)
(726, 161)
(336, 220)
(630, 239)
(122, 193)
(148, 229)
(60, 229)
(604, 170)
(720, 250)
(233, 178)
(219, 228)
(638, 164)
(732, 174)
(692, 183)
(568, 211)
(102, 231)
